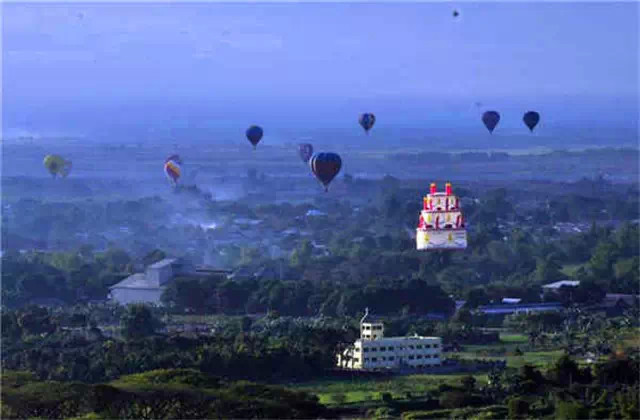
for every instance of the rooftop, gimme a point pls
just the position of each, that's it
(136, 281)
(163, 263)
(407, 338)
(562, 283)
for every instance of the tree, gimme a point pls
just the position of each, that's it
(302, 255)
(518, 408)
(137, 322)
(570, 410)
(468, 383)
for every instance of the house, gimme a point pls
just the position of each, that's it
(555, 286)
(519, 308)
(374, 351)
(147, 287)
(511, 300)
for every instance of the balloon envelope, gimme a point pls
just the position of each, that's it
(254, 134)
(490, 120)
(56, 165)
(305, 150)
(367, 121)
(325, 167)
(531, 119)
(172, 168)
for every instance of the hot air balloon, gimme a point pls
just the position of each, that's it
(172, 168)
(254, 134)
(325, 166)
(531, 119)
(305, 150)
(367, 121)
(490, 120)
(56, 165)
(456, 13)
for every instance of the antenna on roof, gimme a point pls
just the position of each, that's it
(366, 313)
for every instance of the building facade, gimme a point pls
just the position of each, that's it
(374, 351)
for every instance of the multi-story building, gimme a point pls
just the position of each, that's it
(375, 351)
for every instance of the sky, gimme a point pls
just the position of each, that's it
(86, 67)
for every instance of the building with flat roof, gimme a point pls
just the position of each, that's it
(374, 351)
(148, 287)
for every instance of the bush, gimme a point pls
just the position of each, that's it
(386, 397)
(518, 408)
(570, 410)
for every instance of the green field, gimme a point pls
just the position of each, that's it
(363, 390)
(350, 391)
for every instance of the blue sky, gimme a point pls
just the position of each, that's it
(246, 59)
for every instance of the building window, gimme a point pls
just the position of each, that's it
(365, 350)
(383, 349)
(418, 346)
(366, 359)
(427, 346)
(356, 360)
(428, 356)
(375, 336)
(374, 349)
(391, 358)
(390, 348)
(419, 357)
(411, 347)
(374, 359)
(384, 358)
(410, 357)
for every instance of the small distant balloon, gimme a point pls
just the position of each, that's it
(172, 168)
(325, 167)
(305, 150)
(490, 120)
(254, 134)
(456, 13)
(531, 119)
(367, 120)
(56, 165)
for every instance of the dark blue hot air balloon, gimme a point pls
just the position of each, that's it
(531, 119)
(305, 150)
(490, 120)
(325, 166)
(254, 134)
(367, 121)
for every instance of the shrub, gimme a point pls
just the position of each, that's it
(518, 408)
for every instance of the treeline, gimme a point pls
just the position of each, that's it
(159, 394)
(46, 343)
(384, 272)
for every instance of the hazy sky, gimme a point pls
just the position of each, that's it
(233, 56)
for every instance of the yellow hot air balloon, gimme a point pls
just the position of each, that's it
(56, 165)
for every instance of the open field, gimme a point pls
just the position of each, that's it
(361, 390)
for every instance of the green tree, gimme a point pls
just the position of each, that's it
(570, 410)
(518, 408)
(137, 322)
(468, 383)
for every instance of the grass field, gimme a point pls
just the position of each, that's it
(362, 390)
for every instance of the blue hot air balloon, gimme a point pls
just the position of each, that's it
(254, 134)
(367, 121)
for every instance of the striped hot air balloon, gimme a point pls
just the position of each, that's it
(172, 168)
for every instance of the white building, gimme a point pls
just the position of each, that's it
(147, 287)
(375, 351)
